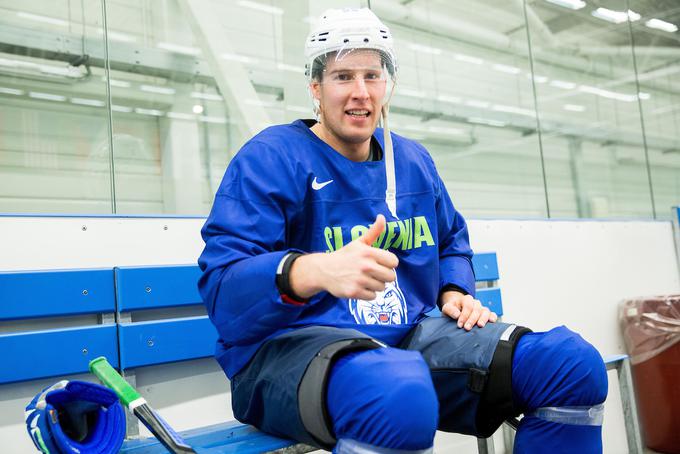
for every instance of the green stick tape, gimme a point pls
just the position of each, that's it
(111, 378)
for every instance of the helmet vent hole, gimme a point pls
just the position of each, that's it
(323, 34)
(365, 40)
(322, 39)
(346, 40)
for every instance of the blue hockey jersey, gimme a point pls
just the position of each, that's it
(287, 190)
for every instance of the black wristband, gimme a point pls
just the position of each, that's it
(283, 276)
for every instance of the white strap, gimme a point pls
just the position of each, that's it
(349, 446)
(576, 415)
(391, 191)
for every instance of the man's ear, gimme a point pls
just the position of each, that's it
(315, 93)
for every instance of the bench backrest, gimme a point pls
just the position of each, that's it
(485, 265)
(40, 303)
(158, 339)
(160, 317)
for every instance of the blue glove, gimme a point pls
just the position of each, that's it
(76, 417)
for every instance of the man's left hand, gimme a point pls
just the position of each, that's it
(467, 310)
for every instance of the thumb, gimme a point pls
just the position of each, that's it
(374, 231)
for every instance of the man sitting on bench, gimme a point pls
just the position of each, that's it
(328, 242)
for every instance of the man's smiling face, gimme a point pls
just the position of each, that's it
(350, 96)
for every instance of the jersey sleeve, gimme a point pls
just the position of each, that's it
(245, 239)
(455, 254)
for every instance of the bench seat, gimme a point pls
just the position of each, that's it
(224, 438)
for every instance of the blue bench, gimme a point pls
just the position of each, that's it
(154, 315)
(83, 304)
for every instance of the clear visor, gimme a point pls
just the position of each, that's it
(356, 68)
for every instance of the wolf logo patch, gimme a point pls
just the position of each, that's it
(388, 307)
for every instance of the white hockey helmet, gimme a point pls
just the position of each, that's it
(341, 31)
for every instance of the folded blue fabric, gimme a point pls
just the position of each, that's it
(76, 417)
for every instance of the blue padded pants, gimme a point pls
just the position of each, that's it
(386, 397)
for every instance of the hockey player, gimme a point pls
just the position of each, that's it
(328, 243)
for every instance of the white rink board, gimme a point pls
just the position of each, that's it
(552, 272)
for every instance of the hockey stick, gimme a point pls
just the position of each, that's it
(137, 404)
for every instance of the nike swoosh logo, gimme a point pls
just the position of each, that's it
(316, 185)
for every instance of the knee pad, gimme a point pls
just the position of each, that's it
(384, 398)
(557, 368)
(560, 381)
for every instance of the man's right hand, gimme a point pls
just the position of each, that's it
(357, 270)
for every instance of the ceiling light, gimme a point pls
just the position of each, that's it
(662, 25)
(239, 58)
(261, 7)
(179, 49)
(644, 96)
(445, 130)
(425, 49)
(514, 110)
(153, 112)
(562, 84)
(157, 89)
(433, 129)
(123, 109)
(615, 17)
(43, 19)
(117, 83)
(11, 91)
(88, 102)
(574, 108)
(468, 59)
(571, 4)
(117, 36)
(218, 120)
(46, 96)
(507, 69)
(10, 63)
(607, 94)
(68, 71)
(180, 116)
(537, 79)
(484, 121)
(447, 98)
(475, 103)
(207, 96)
(197, 109)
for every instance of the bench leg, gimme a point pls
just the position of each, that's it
(485, 445)
(630, 414)
(508, 437)
(131, 421)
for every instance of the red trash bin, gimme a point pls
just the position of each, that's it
(651, 331)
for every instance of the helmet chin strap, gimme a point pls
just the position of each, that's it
(391, 190)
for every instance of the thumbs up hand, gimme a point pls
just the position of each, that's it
(357, 270)
(374, 231)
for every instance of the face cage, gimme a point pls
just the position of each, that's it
(316, 69)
